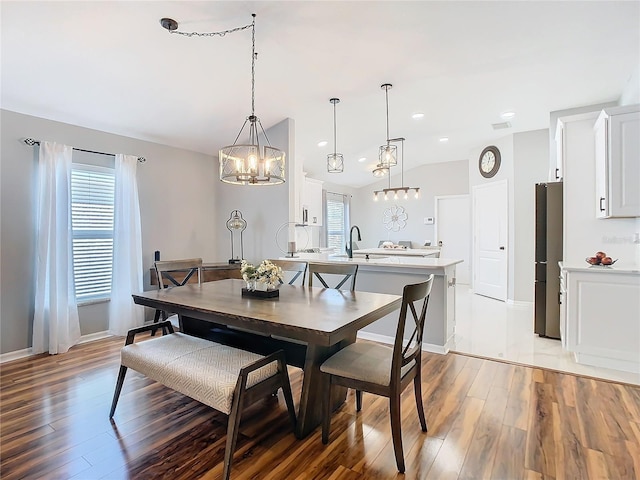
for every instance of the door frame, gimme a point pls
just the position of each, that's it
(475, 224)
(436, 201)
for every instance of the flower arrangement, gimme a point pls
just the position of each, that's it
(266, 273)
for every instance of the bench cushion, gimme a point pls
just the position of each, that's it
(203, 370)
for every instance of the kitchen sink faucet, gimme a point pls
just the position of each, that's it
(350, 244)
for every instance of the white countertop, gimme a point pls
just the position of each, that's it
(618, 267)
(402, 252)
(395, 261)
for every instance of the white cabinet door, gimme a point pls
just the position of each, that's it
(602, 312)
(312, 202)
(557, 172)
(617, 148)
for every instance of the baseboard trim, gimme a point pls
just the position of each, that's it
(94, 336)
(426, 347)
(17, 355)
(27, 352)
(519, 303)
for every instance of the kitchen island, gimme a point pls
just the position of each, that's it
(397, 252)
(390, 275)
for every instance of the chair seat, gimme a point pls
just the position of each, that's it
(368, 362)
(203, 370)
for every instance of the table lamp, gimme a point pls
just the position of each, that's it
(236, 224)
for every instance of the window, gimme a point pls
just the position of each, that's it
(92, 196)
(337, 209)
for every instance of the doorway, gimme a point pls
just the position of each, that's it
(453, 232)
(490, 239)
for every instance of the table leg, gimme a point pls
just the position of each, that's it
(314, 385)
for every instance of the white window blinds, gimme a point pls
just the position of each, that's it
(337, 214)
(92, 196)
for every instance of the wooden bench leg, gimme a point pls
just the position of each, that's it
(233, 426)
(116, 394)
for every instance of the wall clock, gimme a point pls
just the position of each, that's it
(489, 162)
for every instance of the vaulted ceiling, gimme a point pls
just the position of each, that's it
(111, 66)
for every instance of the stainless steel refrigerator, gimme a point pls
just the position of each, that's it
(548, 252)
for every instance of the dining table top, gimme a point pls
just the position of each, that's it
(310, 314)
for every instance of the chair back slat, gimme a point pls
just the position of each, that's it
(404, 352)
(175, 273)
(320, 270)
(300, 268)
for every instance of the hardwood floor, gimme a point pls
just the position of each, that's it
(486, 420)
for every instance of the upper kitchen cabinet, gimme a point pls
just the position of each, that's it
(617, 154)
(556, 173)
(312, 202)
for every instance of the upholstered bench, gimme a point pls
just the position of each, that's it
(222, 377)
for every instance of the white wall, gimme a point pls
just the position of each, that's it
(176, 186)
(631, 93)
(434, 179)
(584, 234)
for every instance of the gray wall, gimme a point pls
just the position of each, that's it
(265, 208)
(530, 158)
(447, 178)
(177, 202)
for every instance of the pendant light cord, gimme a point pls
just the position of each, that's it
(253, 65)
(334, 129)
(386, 95)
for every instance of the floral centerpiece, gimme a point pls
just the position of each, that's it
(266, 276)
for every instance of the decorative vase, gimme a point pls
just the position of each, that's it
(251, 284)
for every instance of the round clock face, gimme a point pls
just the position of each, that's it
(489, 162)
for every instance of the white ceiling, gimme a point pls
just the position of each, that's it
(111, 66)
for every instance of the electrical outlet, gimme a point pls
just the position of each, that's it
(428, 220)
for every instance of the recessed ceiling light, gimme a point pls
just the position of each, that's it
(444, 139)
(508, 114)
(417, 115)
(323, 143)
(362, 159)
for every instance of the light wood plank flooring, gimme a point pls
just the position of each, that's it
(486, 420)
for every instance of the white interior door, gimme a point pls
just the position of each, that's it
(490, 239)
(453, 232)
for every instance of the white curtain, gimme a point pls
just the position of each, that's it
(127, 249)
(56, 326)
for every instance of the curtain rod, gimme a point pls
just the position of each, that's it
(31, 142)
(340, 194)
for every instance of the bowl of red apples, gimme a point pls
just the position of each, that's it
(601, 259)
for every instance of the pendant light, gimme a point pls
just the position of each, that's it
(335, 161)
(245, 163)
(388, 153)
(402, 190)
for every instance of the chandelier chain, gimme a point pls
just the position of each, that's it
(213, 34)
(253, 65)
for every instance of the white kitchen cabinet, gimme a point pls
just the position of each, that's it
(617, 154)
(312, 202)
(555, 174)
(563, 308)
(602, 316)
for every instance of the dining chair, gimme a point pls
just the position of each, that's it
(297, 268)
(320, 271)
(384, 370)
(175, 273)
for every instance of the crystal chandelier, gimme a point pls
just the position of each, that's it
(335, 161)
(245, 163)
(388, 153)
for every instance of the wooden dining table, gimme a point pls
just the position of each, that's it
(309, 323)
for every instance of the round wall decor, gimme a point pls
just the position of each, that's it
(395, 218)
